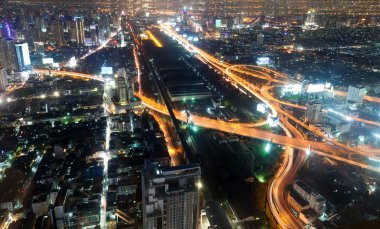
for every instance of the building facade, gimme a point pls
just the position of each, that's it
(8, 58)
(313, 113)
(356, 94)
(23, 58)
(170, 196)
(3, 79)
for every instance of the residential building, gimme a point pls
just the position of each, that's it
(316, 201)
(313, 113)
(40, 204)
(170, 196)
(3, 79)
(8, 58)
(356, 94)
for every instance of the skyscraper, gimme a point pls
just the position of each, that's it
(79, 30)
(313, 113)
(7, 31)
(260, 39)
(122, 87)
(23, 58)
(356, 94)
(8, 58)
(57, 32)
(170, 196)
(310, 23)
(3, 79)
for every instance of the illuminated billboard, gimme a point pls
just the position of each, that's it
(218, 23)
(47, 60)
(314, 88)
(263, 61)
(292, 88)
(106, 71)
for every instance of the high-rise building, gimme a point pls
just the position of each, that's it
(23, 58)
(170, 196)
(8, 58)
(122, 87)
(3, 79)
(94, 34)
(7, 30)
(310, 23)
(260, 39)
(356, 94)
(57, 33)
(313, 113)
(79, 30)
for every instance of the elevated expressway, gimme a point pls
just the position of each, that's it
(237, 75)
(293, 140)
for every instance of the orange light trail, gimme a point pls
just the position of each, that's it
(154, 39)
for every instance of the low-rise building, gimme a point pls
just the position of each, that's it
(40, 204)
(315, 200)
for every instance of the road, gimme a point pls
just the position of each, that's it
(288, 168)
(284, 218)
(245, 129)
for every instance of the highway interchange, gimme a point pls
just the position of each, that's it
(243, 77)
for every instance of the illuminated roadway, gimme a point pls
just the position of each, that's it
(283, 217)
(288, 169)
(243, 129)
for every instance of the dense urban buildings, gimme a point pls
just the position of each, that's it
(170, 196)
(190, 114)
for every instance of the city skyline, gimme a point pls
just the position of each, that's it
(190, 114)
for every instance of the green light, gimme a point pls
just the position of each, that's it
(192, 98)
(194, 128)
(261, 179)
(267, 147)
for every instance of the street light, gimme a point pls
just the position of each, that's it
(199, 185)
(56, 94)
(308, 151)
